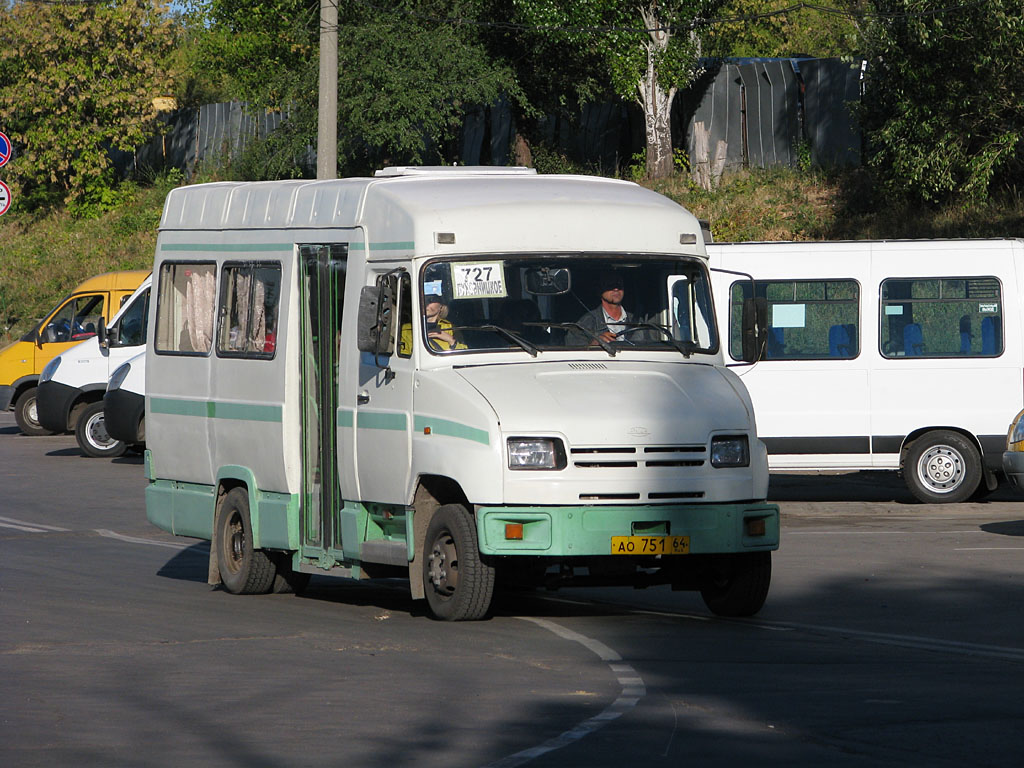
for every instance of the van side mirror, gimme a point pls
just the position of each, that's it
(754, 325)
(376, 323)
(104, 334)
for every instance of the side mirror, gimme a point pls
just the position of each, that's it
(754, 326)
(105, 335)
(376, 323)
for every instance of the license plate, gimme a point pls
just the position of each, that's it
(650, 545)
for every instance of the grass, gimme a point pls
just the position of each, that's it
(43, 256)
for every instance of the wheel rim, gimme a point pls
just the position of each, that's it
(234, 539)
(32, 413)
(444, 565)
(941, 469)
(96, 431)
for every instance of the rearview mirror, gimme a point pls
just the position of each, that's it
(547, 281)
(754, 326)
(375, 333)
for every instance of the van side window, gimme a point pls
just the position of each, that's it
(76, 320)
(184, 312)
(405, 334)
(941, 317)
(133, 322)
(249, 298)
(807, 319)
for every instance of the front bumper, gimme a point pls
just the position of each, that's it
(6, 395)
(573, 531)
(53, 404)
(1013, 467)
(122, 415)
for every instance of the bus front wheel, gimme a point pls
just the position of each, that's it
(737, 584)
(243, 570)
(459, 585)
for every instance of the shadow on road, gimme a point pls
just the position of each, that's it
(864, 486)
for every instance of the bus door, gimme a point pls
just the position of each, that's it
(322, 271)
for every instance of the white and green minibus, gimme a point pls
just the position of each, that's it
(409, 375)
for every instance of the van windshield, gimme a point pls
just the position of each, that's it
(539, 302)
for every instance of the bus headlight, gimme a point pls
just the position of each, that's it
(536, 453)
(50, 369)
(730, 451)
(119, 376)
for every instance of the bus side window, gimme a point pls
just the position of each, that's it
(185, 304)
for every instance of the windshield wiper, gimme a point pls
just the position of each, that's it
(592, 334)
(514, 337)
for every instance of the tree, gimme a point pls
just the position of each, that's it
(646, 51)
(77, 79)
(406, 75)
(942, 97)
(759, 29)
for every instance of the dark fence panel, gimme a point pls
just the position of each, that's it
(831, 86)
(708, 118)
(772, 113)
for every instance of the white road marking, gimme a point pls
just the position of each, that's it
(633, 689)
(151, 542)
(22, 525)
(987, 549)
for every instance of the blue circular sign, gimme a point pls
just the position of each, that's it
(5, 149)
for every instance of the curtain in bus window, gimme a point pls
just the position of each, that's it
(199, 303)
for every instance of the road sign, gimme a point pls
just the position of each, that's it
(5, 198)
(5, 149)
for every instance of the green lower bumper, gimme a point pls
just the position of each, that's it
(586, 531)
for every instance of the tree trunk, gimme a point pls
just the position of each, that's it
(656, 100)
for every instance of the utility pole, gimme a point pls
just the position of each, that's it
(327, 123)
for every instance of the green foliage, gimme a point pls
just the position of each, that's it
(806, 31)
(75, 80)
(942, 105)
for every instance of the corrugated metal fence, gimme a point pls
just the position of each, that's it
(754, 113)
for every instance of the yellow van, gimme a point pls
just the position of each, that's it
(72, 320)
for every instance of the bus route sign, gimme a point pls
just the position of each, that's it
(5, 198)
(5, 149)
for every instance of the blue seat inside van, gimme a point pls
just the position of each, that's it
(913, 340)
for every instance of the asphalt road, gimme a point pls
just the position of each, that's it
(892, 636)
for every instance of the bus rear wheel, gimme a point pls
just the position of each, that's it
(243, 570)
(27, 415)
(942, 467)
(91, 434)
(458, 584)
(737, 584)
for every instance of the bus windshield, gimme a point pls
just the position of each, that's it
(541, 302)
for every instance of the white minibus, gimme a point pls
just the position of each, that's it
(903, 354)
(71, 386)
(408, 375)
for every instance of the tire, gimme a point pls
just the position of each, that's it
(243, 570)
(286, 580)
(458, 584)
(27, 416)
(942, 467)
(737, 584)
(92, 437)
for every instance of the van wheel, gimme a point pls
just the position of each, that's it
(458, 584)
(737, 584)
(92, 437)
(942, 467)
(243, 570)
(26, 414)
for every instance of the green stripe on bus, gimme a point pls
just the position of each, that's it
(399, 245)
(228, 247)
(451, 429)
(377, 420)
(346, 418)
(215, 410)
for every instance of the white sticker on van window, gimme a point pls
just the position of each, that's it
(988, 308)
(894, 309)
(479, 280)
(432, 288)
(789, 315)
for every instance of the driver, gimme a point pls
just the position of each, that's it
(610, 319)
